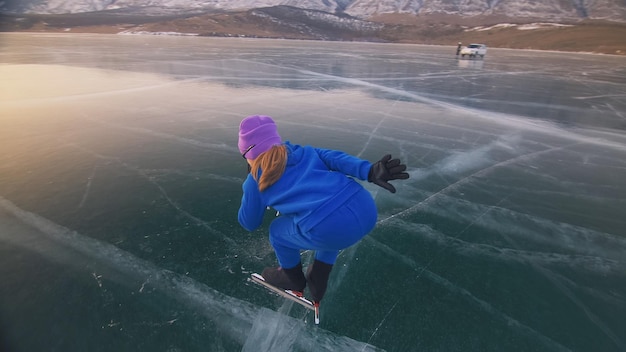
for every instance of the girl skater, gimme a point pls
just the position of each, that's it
(321, 207)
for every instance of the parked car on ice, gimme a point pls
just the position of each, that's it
(474, 50)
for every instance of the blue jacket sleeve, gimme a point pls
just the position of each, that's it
(252, 208)
(348, 164)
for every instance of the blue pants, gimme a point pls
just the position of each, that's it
(341, 229)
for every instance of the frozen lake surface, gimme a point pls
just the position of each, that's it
(120, 181)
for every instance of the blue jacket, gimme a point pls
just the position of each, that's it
(315, 183)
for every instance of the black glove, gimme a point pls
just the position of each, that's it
(387, 169)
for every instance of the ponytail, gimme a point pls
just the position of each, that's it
(271, 165)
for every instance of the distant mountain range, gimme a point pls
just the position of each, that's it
(552, 10)
(597, 26)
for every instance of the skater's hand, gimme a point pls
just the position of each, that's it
(387, 169)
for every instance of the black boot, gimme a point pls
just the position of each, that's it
(317, 278)
(287, 279)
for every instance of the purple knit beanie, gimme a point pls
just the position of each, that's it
(257, 134)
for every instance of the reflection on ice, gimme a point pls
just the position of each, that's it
(477, 64)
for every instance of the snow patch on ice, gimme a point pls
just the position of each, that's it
(532, 26)
(130, 32)
(521, 27)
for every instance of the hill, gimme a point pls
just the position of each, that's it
(295, 23)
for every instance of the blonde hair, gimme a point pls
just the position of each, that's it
(272, 164)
